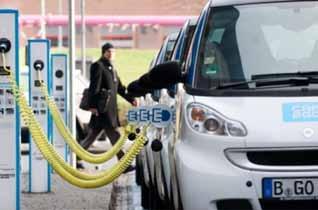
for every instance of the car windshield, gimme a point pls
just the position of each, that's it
(241, 41)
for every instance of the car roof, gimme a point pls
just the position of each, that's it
(193, 21)
(173, 36)
(216, 3)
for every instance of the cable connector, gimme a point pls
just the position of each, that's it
(5, 45)
(138, 130)
(38, 65)
(156, 145)
(132, 136)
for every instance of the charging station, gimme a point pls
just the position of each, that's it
(9, 113)
(38, 60)
(59, 92)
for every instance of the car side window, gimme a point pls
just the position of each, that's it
(213, 60)
(219, 60)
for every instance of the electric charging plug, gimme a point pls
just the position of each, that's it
(138, 130)
(5, 45)
(38, 65)
(156, 145)
(59, 73)
(132, 136)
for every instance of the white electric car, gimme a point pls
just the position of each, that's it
(247, 115)
(147, 160)
(166, 135)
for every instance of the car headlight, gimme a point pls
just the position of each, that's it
(207, 120)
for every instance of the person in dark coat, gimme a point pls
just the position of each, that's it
(104, 79)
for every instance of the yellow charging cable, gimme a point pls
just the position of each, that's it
(67, 135)
(57, 159)
(41, 141)
(91, 181)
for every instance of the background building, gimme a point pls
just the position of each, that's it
(102, 24)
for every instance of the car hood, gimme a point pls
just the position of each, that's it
(271, 121)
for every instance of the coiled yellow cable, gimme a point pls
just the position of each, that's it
(64, 168)
(43, 145)
(92, 181)
(67, 135)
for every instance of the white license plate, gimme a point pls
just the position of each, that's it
(290, 188)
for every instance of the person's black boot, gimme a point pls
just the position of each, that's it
(79, 165)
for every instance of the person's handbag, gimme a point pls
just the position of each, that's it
(84, 101)
(103, 98)
(103, 101)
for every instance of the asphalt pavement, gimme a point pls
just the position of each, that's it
(123, 194)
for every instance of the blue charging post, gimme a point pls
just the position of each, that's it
(38, 60)
(9, 113)
(58, 74)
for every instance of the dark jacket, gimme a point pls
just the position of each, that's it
(103, 76)
(164, 75)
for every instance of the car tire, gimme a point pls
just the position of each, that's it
(172, 206)
(145, 194)
(139, 175)
(165, 202)
(155, 202)
(154, 199)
